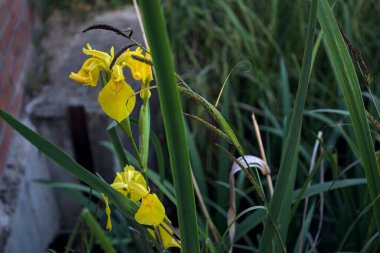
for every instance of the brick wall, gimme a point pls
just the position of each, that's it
(16, 24)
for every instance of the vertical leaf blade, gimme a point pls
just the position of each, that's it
(281, 200)
(154, 24)
(348, 81)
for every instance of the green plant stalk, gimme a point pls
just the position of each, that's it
(104, 242)
(281, 200)
(144, 132)
(119, 149)
(125, 125)
(348, 81)
(154, 24)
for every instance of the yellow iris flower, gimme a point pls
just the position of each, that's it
(130, 183)
(117, 98)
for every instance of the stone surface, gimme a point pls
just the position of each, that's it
(29, 217)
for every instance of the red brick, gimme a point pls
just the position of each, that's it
(6, 71)
(5, 8)
(17, 7)
(4, 146)
(7, 32)
(6, 98)
(18, 42)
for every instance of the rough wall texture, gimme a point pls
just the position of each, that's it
(16, 25)
(29, 215)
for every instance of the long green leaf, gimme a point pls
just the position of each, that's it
(154, 24)
(349, 84)
(281, 200)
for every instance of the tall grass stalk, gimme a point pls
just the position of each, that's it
(282, 195)
(154, 23)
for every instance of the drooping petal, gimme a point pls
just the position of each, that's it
(117, 99)
(151, 211)
(167, 236)
(108, 213)
(88, 74)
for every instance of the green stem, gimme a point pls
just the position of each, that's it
(154, 23)
(126, 127)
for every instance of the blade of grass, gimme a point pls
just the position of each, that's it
(281, 200)
(348, 81)
(154, 23)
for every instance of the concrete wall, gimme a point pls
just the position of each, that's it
(29, 216)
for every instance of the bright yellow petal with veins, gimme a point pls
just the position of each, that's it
(151, 211)
(108, 213)
(117, 99)
(88, 74)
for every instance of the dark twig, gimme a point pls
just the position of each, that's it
(110, 28)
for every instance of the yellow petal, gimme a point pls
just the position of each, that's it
(137, 191)
(117, 99)
(100, 55)
(167, 236)
(151, 211)
(130, 183)
(88, 74)
(108, 213)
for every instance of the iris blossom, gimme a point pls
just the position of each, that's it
(117, 97)
(130, 183)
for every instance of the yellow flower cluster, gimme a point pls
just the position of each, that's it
(151, 212)
(116, 98)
